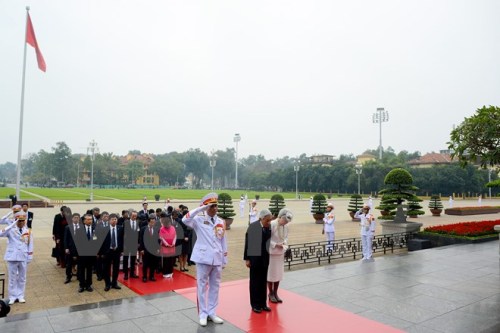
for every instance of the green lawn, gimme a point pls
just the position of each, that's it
(132, 194)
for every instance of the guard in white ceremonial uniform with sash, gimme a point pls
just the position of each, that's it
(367, 225)
(209, 254)
(328, 226)
(18, 254)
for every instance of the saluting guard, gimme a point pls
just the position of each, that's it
(209, 254)
(18, 254)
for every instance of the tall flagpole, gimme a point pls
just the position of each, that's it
(20, 144)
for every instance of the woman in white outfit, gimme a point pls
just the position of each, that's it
(277, 248)
(367, 231)
(328, 226)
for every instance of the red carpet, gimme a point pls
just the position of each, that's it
(295, 314)
(179, 281)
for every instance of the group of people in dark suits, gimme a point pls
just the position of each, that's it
(98, 242)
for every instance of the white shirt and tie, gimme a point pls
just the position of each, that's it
(113, 238)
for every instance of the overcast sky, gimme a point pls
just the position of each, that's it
(289, 76)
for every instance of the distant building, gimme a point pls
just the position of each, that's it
(363, 158)
(147, 178)
(323, 160)
(430, 159)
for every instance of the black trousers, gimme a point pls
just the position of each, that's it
(70, 261)
(111, 267)
(149, 263)
(258, 284)
(133, 259)
(85, 266)
(168, 265)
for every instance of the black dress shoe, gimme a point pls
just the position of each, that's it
(80, 290)
(144, 279)
(67, 281)
(266, 308)
(256, 310)
(279, 300)
(152, 279)
(134, 276)
(116, 287)
(125, 277)
(106, 288)
(90, 289)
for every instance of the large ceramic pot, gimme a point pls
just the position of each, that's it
(436, 212)
(229, 221)
(318, 218)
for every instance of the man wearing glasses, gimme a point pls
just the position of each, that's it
(209, 254)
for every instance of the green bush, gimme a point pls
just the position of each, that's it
(355, 204)
(276, 203)
(319, 204)
(435, 202)
(414, 207)
(225, 206)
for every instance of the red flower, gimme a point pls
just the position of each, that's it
(470, 229)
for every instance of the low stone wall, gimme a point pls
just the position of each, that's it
(472, 211)
(443, 240)
(31, 203)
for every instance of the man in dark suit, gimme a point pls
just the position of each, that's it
(111, 250)
(130, 245)
(87, 245)
(29, 219)
(149, 248)
(256, 256)
(143, 214)
(70, 245)
(58, 228)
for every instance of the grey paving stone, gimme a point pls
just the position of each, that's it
(78, 319)
(460, 322)
(172, 303)
(34, 325)
(122, 326)
(129, 310)
(385, 319)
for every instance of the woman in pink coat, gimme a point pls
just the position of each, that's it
(167, 246)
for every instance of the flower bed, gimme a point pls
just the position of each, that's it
(459, 233)
(468, 229)
(472, 210)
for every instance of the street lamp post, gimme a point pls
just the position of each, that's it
(359, 169)
(489, 180)
(296, 168)
(380, 117)
(212, 165)
(236, 139)
(92, 149)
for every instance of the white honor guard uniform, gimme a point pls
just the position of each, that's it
(367, 231)
(253, 212)
(18, 254)
(242, 206)
(9, 217)
(209, 254)
(328, 226)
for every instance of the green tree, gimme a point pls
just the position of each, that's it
(134, 170)
(477, 139)
(62, 161)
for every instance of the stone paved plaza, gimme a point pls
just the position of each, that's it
(448, 289)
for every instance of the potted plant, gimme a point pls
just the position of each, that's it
(355, 204)
(226, 210)
(318, 208)
(276, 203)
(414, 207)
(436, 205)
(398, 189)
(157, 197)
